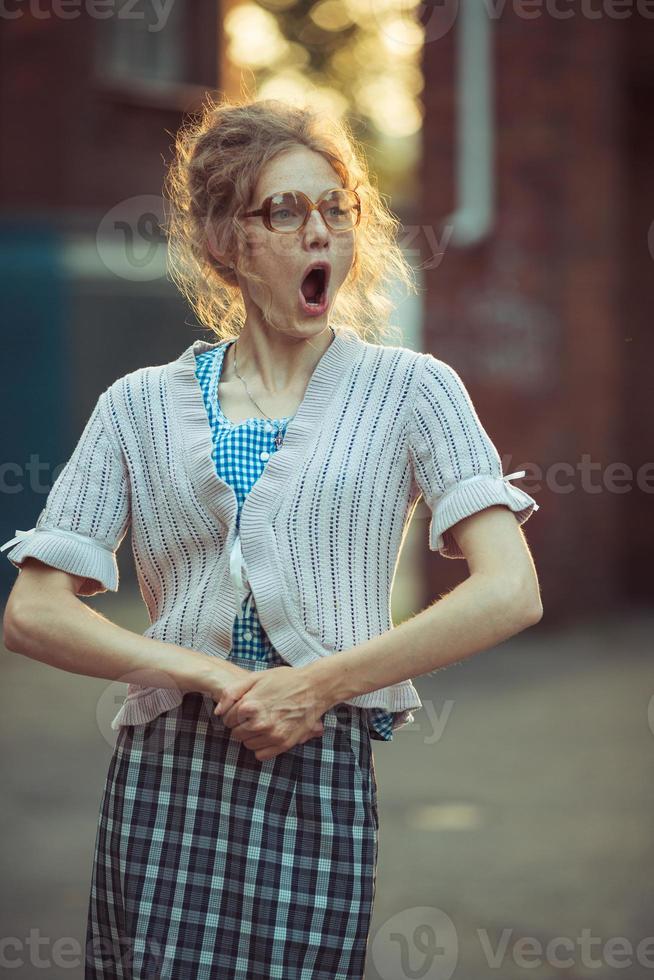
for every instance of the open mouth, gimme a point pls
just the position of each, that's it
(313, 287)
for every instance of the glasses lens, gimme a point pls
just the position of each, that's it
(287, 211)
(340, 209)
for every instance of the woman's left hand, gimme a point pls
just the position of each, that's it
(282, 708)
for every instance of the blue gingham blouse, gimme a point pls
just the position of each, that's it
(240, 452)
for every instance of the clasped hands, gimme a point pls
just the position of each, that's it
(272, 710)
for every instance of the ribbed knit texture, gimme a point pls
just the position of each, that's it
(455, 463)
(321, 529)
(241, 452)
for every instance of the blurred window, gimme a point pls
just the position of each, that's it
(145, 42)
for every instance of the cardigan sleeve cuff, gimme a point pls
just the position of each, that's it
(470, 496)
(70, 552)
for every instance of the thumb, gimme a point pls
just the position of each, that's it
(232, 692)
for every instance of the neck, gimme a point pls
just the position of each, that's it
(275, 362)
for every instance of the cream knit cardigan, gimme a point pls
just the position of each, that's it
(321, 529)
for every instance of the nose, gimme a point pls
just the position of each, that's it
(316, 226)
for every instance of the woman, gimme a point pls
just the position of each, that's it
(268, 478)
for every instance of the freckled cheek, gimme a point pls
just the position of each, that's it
(255, 249)
(344, 250)
(342, 264)
(278, 273)
(274, 255)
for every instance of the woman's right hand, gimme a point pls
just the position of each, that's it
(225, 682)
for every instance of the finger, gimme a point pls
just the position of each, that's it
(244, 735)
(263, 739)
(224, 709)
(257, 742)
(236, 713)
(226, 701)
(229, 698)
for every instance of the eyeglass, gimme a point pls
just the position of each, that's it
(289, 211)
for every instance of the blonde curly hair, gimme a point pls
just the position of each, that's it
(220, 152)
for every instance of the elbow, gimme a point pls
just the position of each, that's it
(531, 610)
(534, 612)
(18, 624)
(524, 605)
(10, 629)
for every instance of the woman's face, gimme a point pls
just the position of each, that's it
(282, 260)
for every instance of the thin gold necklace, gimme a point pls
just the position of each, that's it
(279, 437)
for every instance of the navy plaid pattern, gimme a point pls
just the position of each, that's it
(237, 453)
(212, 864)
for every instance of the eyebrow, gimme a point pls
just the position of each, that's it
(335, 187)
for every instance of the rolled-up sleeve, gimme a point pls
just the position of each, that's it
(87, 511)
(455, 463)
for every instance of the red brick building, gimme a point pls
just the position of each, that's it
(89, 109)
(543, 299)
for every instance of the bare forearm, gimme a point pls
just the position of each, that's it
(72, 636)
(476, 615)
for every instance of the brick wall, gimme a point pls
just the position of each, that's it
(537, 316)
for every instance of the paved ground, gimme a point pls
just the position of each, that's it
(517, 811)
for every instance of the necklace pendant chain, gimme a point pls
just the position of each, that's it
(279, 436)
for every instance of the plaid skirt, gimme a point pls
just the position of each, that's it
(210, 864)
